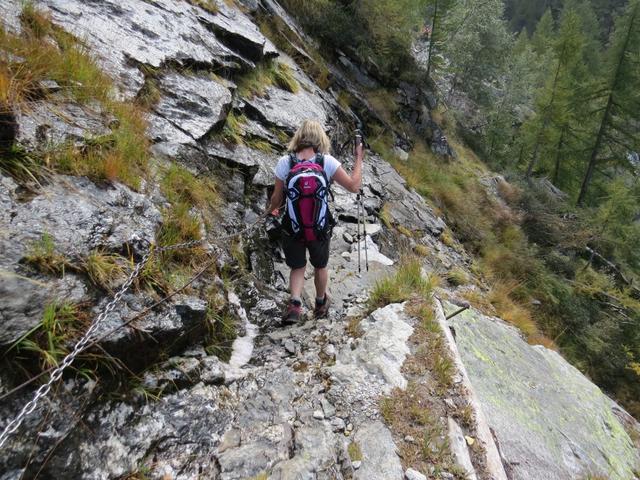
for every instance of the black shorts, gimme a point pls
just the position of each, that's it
(295, 252)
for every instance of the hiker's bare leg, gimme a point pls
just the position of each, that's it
(321, 278)
(296, 282)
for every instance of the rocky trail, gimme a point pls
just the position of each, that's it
(306, 401)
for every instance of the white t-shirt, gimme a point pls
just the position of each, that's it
(331, 166)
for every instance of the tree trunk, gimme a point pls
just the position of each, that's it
(606, 117)
(431, 38)
(545, 121)
(556, 172)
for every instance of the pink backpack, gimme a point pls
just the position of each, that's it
(307, 189)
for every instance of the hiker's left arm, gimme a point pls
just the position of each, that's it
(351, 182)
(277, 197)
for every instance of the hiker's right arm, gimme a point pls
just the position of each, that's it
(354, 181)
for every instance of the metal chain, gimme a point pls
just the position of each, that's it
(44, 389)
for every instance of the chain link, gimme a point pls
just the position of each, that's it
(44, 389)
(56, 375)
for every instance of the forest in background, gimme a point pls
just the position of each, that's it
(548, 94)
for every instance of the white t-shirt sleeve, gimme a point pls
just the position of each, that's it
(282, 168)
(331, 165)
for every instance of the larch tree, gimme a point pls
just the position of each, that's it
(617, 101)
(557, 100)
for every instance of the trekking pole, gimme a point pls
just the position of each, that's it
(364, 230)
(361, 211)
(358, 235)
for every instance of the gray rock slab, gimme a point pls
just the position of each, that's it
(257, 164)
(79, 215)
(549, 420)
(10, 14)
(122, 434)
(154, 33)
(459, 450)
(379, 458)
(239, 32)
(287, 110)
(193, 104)
(44, 125)
(175, 324)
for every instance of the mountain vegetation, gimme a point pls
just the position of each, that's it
(547, 94)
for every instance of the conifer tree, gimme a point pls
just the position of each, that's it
(617, 100)
(514, 96)
(438, 10)
(557, 101)
(543, 35)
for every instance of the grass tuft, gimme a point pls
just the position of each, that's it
(106, 270)
(179, 185)
(265, 75)
(60, 323)
(355, 453)
(49, 53)
(457, 276)
(43, 256)
(407, 282)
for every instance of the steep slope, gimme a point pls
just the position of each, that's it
(298, 402)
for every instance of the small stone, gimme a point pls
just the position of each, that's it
(49, 86)
(409, 439)
(318, 415)
(412, 474)
(328, 409)
(231, 439)
(330, 350)
(346, 255)
(446, 476)
(470, 440)
(289, 346)
(337, 424)
(350, 427)
(356, 465)
(347, 237)
(449, 403)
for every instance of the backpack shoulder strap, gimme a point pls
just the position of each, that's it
(319, 159)
(292, 160)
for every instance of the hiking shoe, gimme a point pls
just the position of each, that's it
(322, 309)
(293, 312)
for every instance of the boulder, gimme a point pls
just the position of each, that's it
(549, 420)
(166, 330)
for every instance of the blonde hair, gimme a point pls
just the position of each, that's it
(310, 134)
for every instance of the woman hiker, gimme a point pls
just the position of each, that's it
(303, 178)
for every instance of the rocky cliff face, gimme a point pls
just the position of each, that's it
(283, 403)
